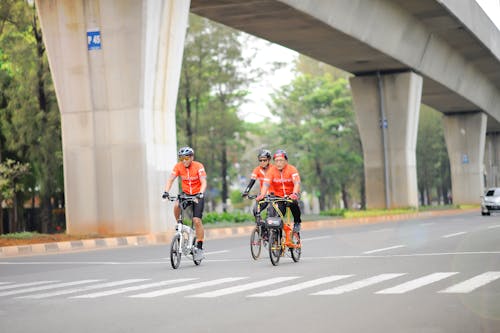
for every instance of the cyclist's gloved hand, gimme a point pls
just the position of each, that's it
(259, 197)
(200, 195)
(165, 195)
(294, 196)
(244, 194)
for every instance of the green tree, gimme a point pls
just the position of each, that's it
(30, 119)
(317, 124)
(211, 90)
(11, 185)
(433, 167)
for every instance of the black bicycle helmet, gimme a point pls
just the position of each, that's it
(185, 151)
(280, 153)
(264, 153)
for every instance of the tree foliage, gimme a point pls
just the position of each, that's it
(29, 118)
(317, 128)
(211, 90)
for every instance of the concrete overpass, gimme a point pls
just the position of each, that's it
(116, 67)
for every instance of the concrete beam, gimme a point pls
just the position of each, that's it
(394, 172)
(116, 67)
(465, 138)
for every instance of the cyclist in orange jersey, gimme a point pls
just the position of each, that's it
(259, 173)
(284, 181)
(193, 182)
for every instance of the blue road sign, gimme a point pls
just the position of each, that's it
(94, 39)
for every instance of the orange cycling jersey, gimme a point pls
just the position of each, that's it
(282, 182)
(260, 174)
(191, 176)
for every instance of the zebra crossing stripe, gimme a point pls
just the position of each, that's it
(28, 284)
(77, 290)
(359, 284)
(4, 282)
(134, 288)
(244, 287)
(469, 285)
(300, 286)
(174, 290)
(417, 283)
(52, 286)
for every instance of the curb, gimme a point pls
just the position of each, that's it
(215, 233)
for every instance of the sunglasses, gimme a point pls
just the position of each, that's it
(184, 158)
(263, 160)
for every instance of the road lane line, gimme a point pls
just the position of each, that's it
(186, 287)
(469, 285)
(52, 286)
(384, 249)
(453, 235)
(314, 238)
(77, 290)
(244, 287)
(359, 284)
(29, 284)
(417, 283)
(494, 226)
(300, 286)
(134, 288)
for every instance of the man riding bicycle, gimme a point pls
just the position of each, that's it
(194, 182)
(259, 173)
(284, 181)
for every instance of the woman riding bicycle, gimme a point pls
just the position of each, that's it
(194, 182)
(284, 181)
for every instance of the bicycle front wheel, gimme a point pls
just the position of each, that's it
(255, 243)
(296, 251)
(175, 252)
(274, 246)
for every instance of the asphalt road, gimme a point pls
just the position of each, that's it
(438, 274)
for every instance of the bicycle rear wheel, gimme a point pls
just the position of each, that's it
(274, 246)
(175, 252)
(255, 243)
(296, 251)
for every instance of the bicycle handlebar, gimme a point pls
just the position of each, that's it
(183, 197)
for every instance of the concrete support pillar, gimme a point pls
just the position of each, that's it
(390, 172)
(465, 137)
(492, 159)
(116, 68)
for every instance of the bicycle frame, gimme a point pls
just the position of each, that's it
(281, 226)
(184, 238)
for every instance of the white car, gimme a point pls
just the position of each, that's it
(490, 201)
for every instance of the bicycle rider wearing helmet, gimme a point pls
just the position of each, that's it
(193, 182)
(284, 181)
(264, 157)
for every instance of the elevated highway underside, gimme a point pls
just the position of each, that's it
(460, 73)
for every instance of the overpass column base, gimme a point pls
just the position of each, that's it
(492, 159)
(465, 139)
(399, 95)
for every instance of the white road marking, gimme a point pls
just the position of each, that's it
(52, 286)
(455, 234)
(300, 286)
(384, 249)
(186, 287)
(494, 226)
(216, 252)
(28, 284)
(359, 284)
(77, 290)
(314, 238)
(426, 224)
(244, 287)
(417, 283)
(134, 288)
(469, 285)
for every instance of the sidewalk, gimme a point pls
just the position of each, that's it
(210, 233)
